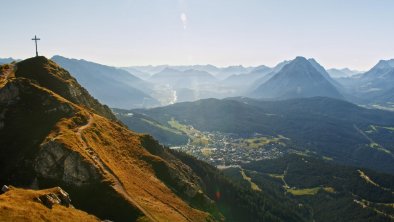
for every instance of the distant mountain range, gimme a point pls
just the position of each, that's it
(183, 79)
(137, 73)
(218, 72)
(7, 60)
(247, 79)
(190, 83)
(111, 86)
(342, 73)
(151, 86)
(375, 86)
(232, 70)
(308, 78)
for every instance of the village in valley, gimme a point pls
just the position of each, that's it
(223, 149)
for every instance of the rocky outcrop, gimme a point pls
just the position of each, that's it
(54, 161)
(58, 196)
(5, 188)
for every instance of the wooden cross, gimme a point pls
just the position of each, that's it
(36, 39)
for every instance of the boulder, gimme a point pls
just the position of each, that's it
(5, 188)
(60, 197)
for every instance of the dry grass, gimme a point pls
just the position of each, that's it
(6, 72)
(20, 205)
(122, 152)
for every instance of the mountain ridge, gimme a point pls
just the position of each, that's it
(112, 86)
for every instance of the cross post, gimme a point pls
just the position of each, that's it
(36, 39)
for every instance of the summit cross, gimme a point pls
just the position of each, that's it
(36, 39)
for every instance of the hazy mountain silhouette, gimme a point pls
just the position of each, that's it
(112, 86)
(342, 73)
(7, 60)
(297, 79)
(188, 78)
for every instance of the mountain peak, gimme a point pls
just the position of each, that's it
(51, 76)
(300, 62)
(38, 60)
(300, 78)
(300, 58)
(58, 57)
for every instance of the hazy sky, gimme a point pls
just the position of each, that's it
(338, 33)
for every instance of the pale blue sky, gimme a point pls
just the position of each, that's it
(338, 33)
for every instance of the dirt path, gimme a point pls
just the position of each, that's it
(118, 185)
(283, 178)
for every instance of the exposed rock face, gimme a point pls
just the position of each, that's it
(54, 161)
